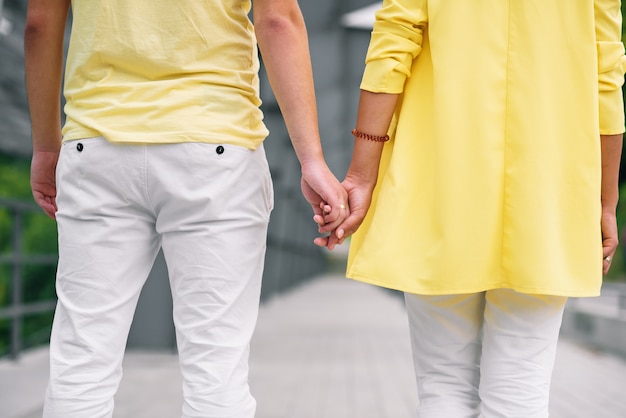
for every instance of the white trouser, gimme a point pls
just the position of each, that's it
(208, 207)
(488, 354)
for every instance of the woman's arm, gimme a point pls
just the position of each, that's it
(611, 155)
(373, 118)
(395, 43)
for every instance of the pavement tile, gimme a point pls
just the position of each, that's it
(330, 348)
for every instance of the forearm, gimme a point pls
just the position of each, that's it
(283, 42)
(43, 51)
(373, 118)
(611, 154)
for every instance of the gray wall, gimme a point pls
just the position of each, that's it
(14, 124)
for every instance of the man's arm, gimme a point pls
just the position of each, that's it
(283, 42)
(43, 51)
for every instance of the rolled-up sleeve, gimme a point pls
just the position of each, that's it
(396, 41)
(611, 65)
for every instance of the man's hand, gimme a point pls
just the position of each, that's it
(43, 182)
(327, 197)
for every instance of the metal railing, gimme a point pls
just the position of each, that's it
(17, 259)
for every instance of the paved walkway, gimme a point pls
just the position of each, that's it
(331, 348)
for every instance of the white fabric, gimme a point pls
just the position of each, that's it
(488, 354)
(117, 205)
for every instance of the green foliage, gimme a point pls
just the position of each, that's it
(36, 329)
(5, 332)
(39, 236)
(5, 231)
(15, 178)
(5, 277)
(624, 26)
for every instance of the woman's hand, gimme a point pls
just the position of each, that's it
(359, 200)
(610, 239)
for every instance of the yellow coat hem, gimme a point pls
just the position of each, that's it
(488, 286)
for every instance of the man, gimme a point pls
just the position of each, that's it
(162, 148)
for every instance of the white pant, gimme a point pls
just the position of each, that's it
(208, 207)
(488, 354)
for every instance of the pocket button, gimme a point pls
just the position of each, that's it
(219, 150)
(79, 147)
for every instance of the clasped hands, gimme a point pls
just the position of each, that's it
(339, 208)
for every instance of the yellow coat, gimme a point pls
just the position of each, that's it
(492, 176)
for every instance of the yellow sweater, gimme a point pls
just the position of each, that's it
(163, 71)
(492, 177)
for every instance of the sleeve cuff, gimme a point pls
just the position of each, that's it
(611, 112)
(611, 66)
(382, 76)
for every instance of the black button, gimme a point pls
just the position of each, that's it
(219, 150)
(79, 147)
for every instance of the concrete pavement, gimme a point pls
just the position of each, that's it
(331, 348)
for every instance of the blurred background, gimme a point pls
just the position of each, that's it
(28, 243)
(338, 33)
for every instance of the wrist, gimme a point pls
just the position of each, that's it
(312, 158)
(46, 143)
(47, 149)
(365, 180)
(609, 202)
(308, 151)
(609, 210)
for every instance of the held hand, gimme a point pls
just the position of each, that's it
(325, 194)
(43, 181)
(610, 239)
(359, 200)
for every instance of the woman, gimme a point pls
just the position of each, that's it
(484, 180)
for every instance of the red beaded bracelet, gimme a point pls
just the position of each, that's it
(375, 138)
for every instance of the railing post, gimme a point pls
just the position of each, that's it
(15, 259)
(16, 285)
